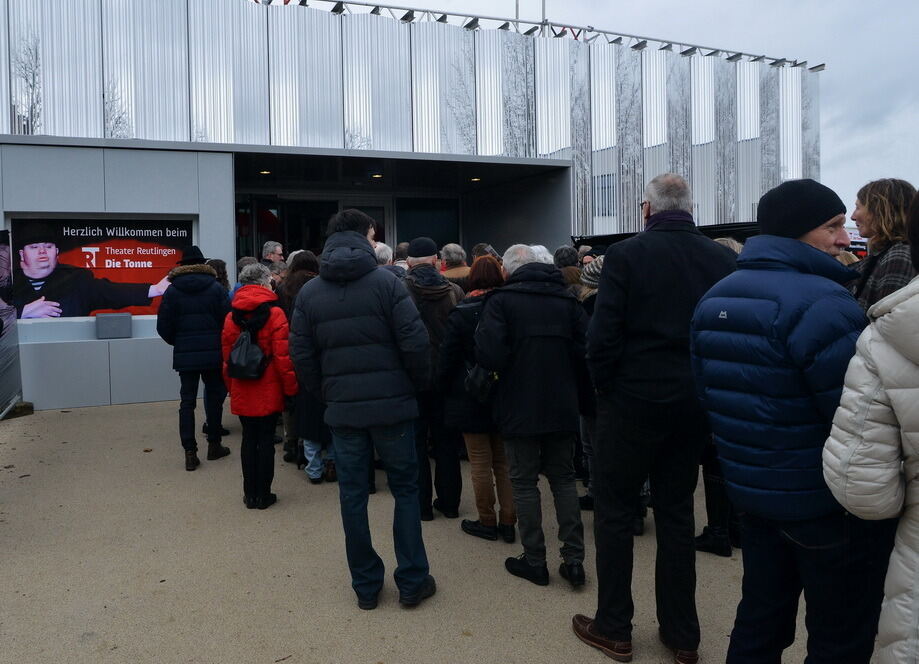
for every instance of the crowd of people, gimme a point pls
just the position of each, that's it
(786, 369)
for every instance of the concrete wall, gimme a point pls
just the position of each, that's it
(62, 363)
(533, 210)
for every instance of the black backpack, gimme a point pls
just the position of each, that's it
(247, 361)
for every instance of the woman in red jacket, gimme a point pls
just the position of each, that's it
(258, 402)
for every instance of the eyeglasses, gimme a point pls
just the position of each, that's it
(641, 206)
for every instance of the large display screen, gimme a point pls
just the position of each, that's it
(84, 267)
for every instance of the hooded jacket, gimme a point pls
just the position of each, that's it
(264, 396)
(532, 333)
(770, 346)
(357, 340)
(191, 316)
(435, 298)
(871, 459)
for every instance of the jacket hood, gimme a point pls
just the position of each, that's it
(771, 252)
(428, 282)
(347, 256)
(895, 317)
(249, 297)
(538, 278)
(192, 278)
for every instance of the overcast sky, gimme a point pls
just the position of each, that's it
(869, 92)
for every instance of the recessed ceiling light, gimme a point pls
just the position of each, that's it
(377, 176)
(475, 179)
(264, 172)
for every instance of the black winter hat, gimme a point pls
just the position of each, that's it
(35, 232)
(422, 247)
(191, 256)
(796, 207)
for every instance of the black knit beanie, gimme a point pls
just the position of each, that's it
(796, 207)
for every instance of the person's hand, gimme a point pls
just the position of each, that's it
(158, 289)
(41, 308)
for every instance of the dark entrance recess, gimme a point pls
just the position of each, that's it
(290, 198)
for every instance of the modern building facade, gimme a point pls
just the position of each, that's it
(257, 122)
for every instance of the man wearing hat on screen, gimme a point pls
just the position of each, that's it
(770, 344)
(190, 319)
(435, 298)
(44, 288)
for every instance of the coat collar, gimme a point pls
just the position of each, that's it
(771, 252)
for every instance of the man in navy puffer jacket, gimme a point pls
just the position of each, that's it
(771, 343)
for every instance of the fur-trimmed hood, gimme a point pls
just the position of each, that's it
(192, 278)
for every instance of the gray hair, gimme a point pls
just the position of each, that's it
(542, 254)
(277, 267)
(730, 243)
(453, 254)
(256, 274)
(290, 256)
(517, 255)
(668, 191)
(269, 247)
(384, 253)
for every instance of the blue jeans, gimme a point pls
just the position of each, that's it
(314, 462)
(838, 560)
(353, 455)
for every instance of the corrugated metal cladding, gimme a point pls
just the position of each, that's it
(232, 71)
(304, 64)
(228, 64)
(377, 83)
(145, 67)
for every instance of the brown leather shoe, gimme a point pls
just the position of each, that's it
(680, 656)
(621, 651)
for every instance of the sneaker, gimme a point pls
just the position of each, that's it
(711, 541)
(478, 529)
(519, 566)
(191, 460)
(586, 502)
(315, 480)
(573, 573)
(583, 628)
(428, 588)
(450, 513)
(507, 532)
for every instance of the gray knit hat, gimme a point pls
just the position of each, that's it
(590, 275)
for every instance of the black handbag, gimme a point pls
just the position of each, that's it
(480, 383)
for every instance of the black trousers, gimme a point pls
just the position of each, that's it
(257, 454)
(214, 394)
(638, 440)
(430, 430)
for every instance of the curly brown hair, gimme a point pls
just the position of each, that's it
(887, 201)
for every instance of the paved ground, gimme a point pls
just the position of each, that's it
(111, 552)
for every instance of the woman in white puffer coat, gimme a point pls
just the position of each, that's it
(871, 460)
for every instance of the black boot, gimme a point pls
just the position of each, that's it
(191, 460)
(714, 540)
(216, 451)
(715, 536)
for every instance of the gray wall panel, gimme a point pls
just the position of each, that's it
(52, 179)
(725, 80)
(769, 126)
(228, 59)
(56, 67)
(69, 374)
(145, 64)
(810, 129)
(443, 88)
(150, 358)
(630, 183)
(216, 206)
(155, 181)
(307, 102)
(377, 83)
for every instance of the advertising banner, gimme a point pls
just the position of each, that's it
(9, 348)
(84, 267)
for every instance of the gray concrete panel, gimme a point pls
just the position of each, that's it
(52, 179)
(155, 181)
(69, 374)
(216, 220)
(141, 371)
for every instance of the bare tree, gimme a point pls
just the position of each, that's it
(117, 121)
(26, 67)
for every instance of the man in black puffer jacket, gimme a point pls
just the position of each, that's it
(190, 319)
(358, 344)
(532, 334)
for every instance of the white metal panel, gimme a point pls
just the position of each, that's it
(790, 124)
(553, 98)
(810, 124)
(5, 101)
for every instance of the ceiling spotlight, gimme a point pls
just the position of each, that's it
(339, 8)
(475, 179)
(377, 176)
(472, 25)
(264, 172)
